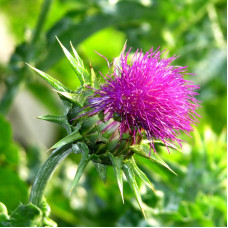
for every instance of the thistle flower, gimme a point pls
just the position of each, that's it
(148, 94)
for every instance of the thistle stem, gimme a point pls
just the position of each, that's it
(46, 171)
(41, 20)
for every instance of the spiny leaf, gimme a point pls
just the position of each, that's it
(141, 174)
(74, 98)
(129, 173)
(68, 139)
(51, 81)
(102, 170)
(52, 118)
(117, 163)
(141, 151)
(158, 142)
(61, 120)
(82, 164)
(75, 63)
(79, 60)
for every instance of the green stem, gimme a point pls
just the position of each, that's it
(18, 77)
(41, 20)
(46, 172)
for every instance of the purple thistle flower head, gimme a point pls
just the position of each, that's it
(149, 95)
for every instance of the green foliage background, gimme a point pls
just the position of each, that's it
(195, 30)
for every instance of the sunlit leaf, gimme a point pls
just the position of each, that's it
(78, 59)
(143, 151)
(76, 64)
(139, 173)
(73, 97)
(3, 209)
(51, 81)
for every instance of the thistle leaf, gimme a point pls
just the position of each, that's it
(61, 120)
(82, 164)
(102, 170)
(142, 150)
(76, 63)
(29, 215)
(79, 60)
(52, 118)
(117, 163)
(50, 80)
(68, 139)
(139, 173)
(160, 143)
(129, 173)
(32, 213)
(74, 98)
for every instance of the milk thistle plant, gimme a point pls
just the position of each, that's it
(143, 101)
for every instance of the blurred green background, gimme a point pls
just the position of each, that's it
(195, 30)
